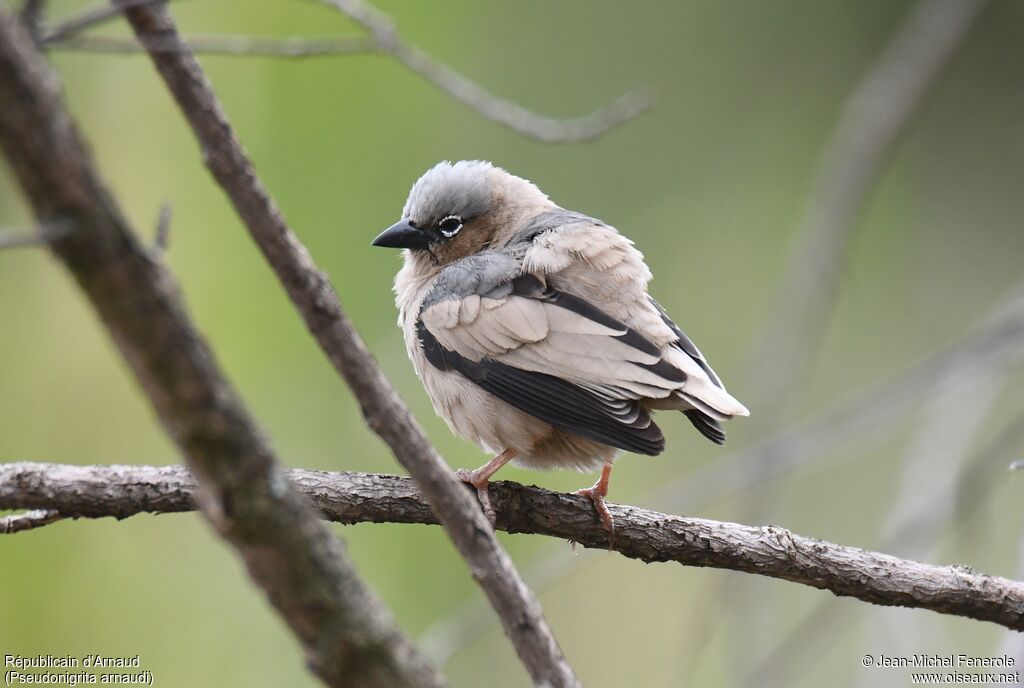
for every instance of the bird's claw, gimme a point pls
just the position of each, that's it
(472, 478)
(597, 499)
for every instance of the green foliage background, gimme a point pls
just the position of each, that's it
(711, 184)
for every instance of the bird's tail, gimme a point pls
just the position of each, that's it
(709, 427)
(711, 400)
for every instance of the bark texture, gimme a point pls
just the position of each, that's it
(121, 491)
(349, 637)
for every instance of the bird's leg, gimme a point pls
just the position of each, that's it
(480, 477)
(597, 493)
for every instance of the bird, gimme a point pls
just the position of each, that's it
(533, 332)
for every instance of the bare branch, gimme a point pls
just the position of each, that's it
(513, 116)
(89, 18)
(321, 310)
(36, 518)
(121, 491)
(872, 119)
(230, 46)
(32, 14)
(347, 634)
(383, 39)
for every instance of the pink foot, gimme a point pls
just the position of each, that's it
(480, 483)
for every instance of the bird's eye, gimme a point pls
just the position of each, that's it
(450, 226)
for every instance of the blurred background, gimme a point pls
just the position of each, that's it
(894, 430)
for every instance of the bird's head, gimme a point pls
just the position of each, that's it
(458, 209)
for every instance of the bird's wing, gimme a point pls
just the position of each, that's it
(708, 425)
(685, 344)
(550, 354)
(587, 257)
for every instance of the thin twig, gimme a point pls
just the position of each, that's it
(89, 18)
(474, 96)
(348, 636)
(230, 46)
(349, 497)
(318, 304)
(36, 518)
(33, 12)
(383, 39)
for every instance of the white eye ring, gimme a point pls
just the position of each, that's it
(449, 233)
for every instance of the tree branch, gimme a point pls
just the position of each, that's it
(384, 40)
(344, 497)
(234, 46)
(468, 93)
(347, 634)
(36, 518)
(87, 19)
(318, 304)
(32, 14)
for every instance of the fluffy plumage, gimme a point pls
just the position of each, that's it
(532, 329)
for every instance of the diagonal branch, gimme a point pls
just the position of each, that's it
(318, 304)
(348, 636)
(122, 491)
(513, 116)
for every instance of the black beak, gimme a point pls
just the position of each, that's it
(402, 234)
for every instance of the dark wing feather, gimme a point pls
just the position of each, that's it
(562, 404)
(706, 425)
(685, 343)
